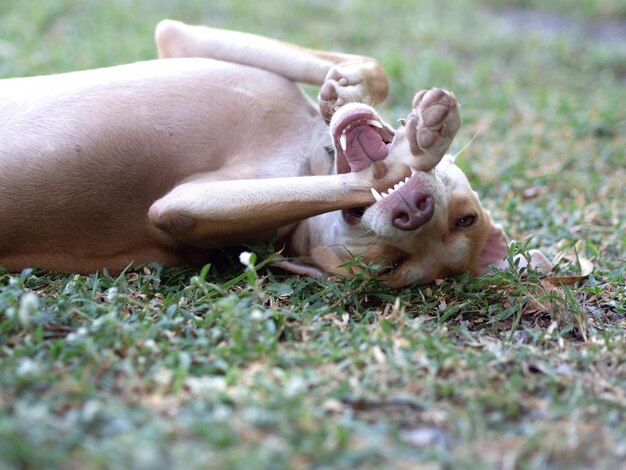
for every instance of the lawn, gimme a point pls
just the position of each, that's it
(235, 367)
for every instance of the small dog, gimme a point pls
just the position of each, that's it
(215, 145)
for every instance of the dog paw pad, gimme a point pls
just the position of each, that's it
(436, 120)
(435, 114)
(426, 137)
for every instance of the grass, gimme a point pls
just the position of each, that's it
(235, 367)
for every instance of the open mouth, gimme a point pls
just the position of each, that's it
(361, 139)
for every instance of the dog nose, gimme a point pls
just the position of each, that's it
(412, 210)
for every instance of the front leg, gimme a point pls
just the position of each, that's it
(432, 125)
(209, 214)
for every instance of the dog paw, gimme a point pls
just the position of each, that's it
(433, 123)
(352, 82)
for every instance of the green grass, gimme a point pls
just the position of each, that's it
(235, 368)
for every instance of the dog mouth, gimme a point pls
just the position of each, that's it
(361, 138)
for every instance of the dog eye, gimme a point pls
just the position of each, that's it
(466, 221)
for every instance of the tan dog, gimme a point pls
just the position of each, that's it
(166, 160)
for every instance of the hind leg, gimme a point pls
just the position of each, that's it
(345, 77)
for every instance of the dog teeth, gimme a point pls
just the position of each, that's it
(377, 195)
(380, 196)
(374, 123)
(343, 141)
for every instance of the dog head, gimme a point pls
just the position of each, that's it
(426, 223)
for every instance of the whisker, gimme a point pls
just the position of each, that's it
(469, 143)
(365, 233)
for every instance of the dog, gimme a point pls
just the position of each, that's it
(214, 145)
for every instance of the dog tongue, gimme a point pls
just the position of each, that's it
(365, 146)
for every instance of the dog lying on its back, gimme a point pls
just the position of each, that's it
(167, 160)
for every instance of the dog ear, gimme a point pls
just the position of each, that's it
(493, 251)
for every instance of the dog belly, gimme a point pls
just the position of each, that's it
(84, 155)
